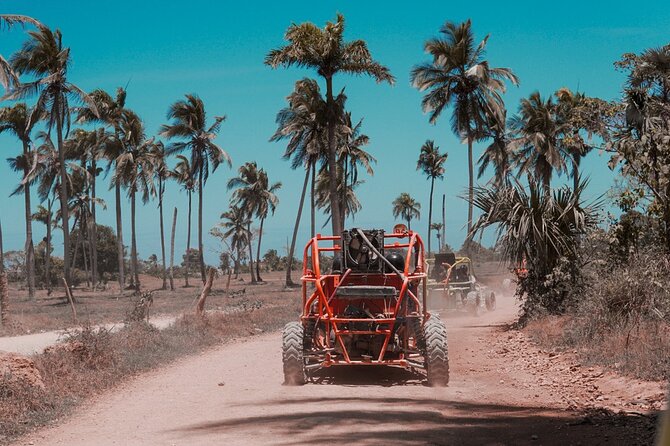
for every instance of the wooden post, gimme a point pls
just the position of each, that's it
(174, 227)
(69, 298)
(200, 306)
(4, 291)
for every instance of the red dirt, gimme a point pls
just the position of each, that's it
(503, 391)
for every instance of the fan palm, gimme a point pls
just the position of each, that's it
(431, 162)
(538, 130)
(534, 226)
(111, 112)
(459, 77)
(16, 120)
(325, 51)
(189, 127)
(183, 174)
(44, 57)
(407, 208)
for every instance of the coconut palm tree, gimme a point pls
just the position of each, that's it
(45, 216)
(497, 153)
(110, 113)
(326, 51)
(246, 196)
(406, 207)
(44, 57)
(135, 172)
(235, 226)
(7, 76)
(459, 77)
(431, 162)
(538, 131)
(267, 201)
(303, 124)
(189, 127)
(16, 121)
(161, 174)
(351, 204)
(183, 174)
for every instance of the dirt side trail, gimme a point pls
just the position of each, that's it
(503, 391)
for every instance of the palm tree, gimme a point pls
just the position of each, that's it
(325, 51)
(45, 216)
(7, 76)
(406, 207)
(183, 174)
(437, 227)
(246, 196)
(538, 151)
(303, 124)
(350, 203)
(16, 120)
(351, 155)
(266, 200)
(236, 227)
(111, 112)
(161, 174)
(135, 171)
(498, 153)
(189, 125)
(431, 162)
(44, 57)
(460, 77)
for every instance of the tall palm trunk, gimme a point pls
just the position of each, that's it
(471, 185)
(29, 247)
(119, 239)
(4, 292)
(47, 254)
(409, 224)
(291, 251)
(133, 248)
(237, 262)
(251, 256)
(94, 228)
(174, 228)
(575, 171)
(430, 210)
(313, 198)
(76, 241)
(443, 241)
(65, 213)
(160, 210)
(201, 258)
(188, 241)
(336, 218)
(258, 252)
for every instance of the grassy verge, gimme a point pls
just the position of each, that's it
(97, 360)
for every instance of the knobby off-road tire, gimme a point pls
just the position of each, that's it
(437, 352)
(292, 354)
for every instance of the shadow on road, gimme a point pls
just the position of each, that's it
(424, 421)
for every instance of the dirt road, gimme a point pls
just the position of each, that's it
(234, 395)
(37, 342)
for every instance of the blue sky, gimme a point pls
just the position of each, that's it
(163, 50)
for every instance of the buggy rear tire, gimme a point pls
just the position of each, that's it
(437, 352)
(292, 354)
(491, 301)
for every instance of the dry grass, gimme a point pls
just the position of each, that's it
(97, 359)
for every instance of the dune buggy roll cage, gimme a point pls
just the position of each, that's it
(318, 306)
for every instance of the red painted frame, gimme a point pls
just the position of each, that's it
(325, 286)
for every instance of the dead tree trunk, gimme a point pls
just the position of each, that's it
(200, 306)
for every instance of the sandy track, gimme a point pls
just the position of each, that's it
(37, 342)
(233, 395)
